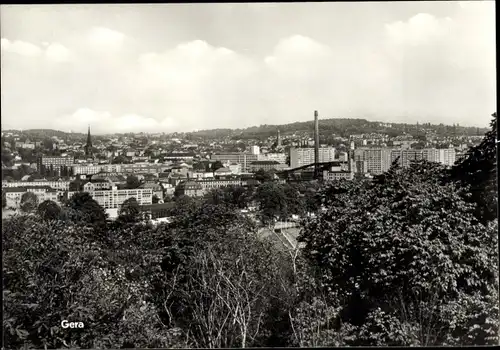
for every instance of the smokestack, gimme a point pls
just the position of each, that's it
(316, 144)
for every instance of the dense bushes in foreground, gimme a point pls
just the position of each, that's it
(407, 259)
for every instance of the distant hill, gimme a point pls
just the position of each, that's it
(44, 133)
(338, 126)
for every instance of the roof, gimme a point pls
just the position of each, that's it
(25, 189)
(158, 206)
(189, 185)
(222, 170)
(264, 162)
(151, 185)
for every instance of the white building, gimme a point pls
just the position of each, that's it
(111, 200)
(86, 169)
(61, 185)
(13, 195)
(305, 156)
(255, 150)
(277, 157)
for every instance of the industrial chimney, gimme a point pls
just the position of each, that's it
(316, 145)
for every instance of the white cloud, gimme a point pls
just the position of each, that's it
(105, 122)
(420, 29)
(424, 67)
(20, 48)
(105, 38)
(57, 52)
(52, 51)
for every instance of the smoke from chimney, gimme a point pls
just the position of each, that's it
(316, 143)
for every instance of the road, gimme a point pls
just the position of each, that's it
(288, 234)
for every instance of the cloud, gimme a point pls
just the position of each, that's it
(105, 38)
(52, 51)
(105, 122)
(422, 67)
(57, 53)
(420, 29)
(20, 48)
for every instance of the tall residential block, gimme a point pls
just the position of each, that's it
(306, 156)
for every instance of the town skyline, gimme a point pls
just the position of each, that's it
(160, 68)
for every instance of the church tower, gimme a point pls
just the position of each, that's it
(88, 146)
(278, 143)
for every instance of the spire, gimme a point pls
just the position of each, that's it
(88, 146)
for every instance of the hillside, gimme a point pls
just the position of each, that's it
(339, 126)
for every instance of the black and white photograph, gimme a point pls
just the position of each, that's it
(249, 175)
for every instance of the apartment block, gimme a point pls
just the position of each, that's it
(305, 156)
(378, 160)
(240, 158)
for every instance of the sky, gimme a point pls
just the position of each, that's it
(185, 67)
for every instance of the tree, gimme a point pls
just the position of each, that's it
(98, 284)
(156, 199)
(263, 176)
(129, 211)
(479, 171)
(237, 196)
(83, 208)
(272, 202)
(49, 210)
(200, 166)
(4, 199)
(294, 201)
(402, 259)
(217, 165)
(132, 182)
(29, 202)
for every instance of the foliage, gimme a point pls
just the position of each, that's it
(156, 199)
(95, 285)
(220, 281)
(83, 208)
(29, 202)
(129, 211)
(264, 176)
(217, 165)
(49, 210)
(272, 202)
(132, 182)
(479, 171)
(4, 199)
(409, 245)
(238, 196)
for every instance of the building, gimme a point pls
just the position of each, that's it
(240, 158)
(156, 188)
(446, 157)
(278, 157)
(60, 185)
(156, 211)
(88, 146)
(235, 168)
(223, 172)
(378, 160)
(266, 165)
(340, 170)
(361, 166)
(111, 200)
(86, 169)
(13, 195)
(56, 162)
(175, 156)
(406, 156)
(189, 188)
(255, 150)
(343, 157)
(305, 156)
